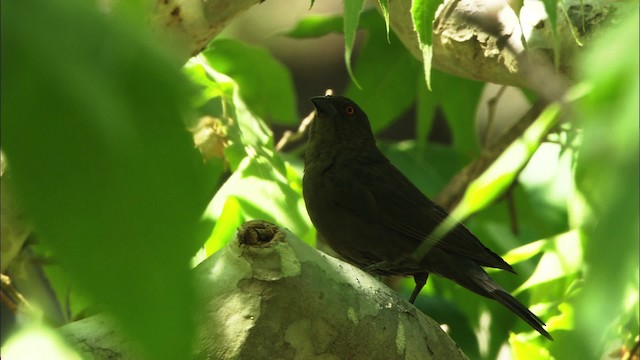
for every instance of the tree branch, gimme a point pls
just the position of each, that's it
(483, 40)
(269, 295)
(453, 192)
(192, 24)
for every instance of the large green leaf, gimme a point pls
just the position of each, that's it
(429, 167)
(313, 26)
(228, 222)
(459, 99)
(386, 73)
(262, 186)
(423, 13)
(500, 175)
(265, 84)
(247, 133)
(495, 180)
(264, 192)
(93, 129)
(607, 177)
(352, 10)
(316, 25)
(562, 257)
(384, 7)
(551, 8)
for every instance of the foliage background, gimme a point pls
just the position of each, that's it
(120, 198)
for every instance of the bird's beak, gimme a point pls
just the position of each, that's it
(324, 105)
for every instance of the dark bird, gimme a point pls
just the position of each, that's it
(375, 218)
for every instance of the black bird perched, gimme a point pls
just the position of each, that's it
(374, 217)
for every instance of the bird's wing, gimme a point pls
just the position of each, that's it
(397, 205)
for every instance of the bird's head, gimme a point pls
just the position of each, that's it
(339, 123)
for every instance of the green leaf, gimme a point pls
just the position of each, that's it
(230, 219)
(69, 297)
(551, 8)
(262, 185)
(384, 6)
(253, 131)
(562, 257)
(549, 176)
(352, 10)
(265, 84)
(498, 177)
(386, 72)
(247, 133)
(459, 99)
(607, 177)
(93, 128)
(313, 26)
(428, 166)
(495, 180)
(209, 88)
(264, 192)
(423, 13)
(525, 252)
(523, 348)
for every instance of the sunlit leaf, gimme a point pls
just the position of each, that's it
(523, 348)
(352, 10)
(525, 252)
(384, 6)
(549, 176)
(423, 13)
(563, 257)
(228, 222)
(253, 131)
(495, 180)
(208, 87)
(264, 83)
(607, 176)
(563, 321)
(263, 192)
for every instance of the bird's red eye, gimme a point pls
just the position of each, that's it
(350, 110)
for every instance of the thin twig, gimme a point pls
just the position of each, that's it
(290, 136)
(453, 192)
(491, 107)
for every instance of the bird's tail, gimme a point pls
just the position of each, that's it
(477, 280)
(517, 308)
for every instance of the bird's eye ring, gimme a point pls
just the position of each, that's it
(350, 110)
